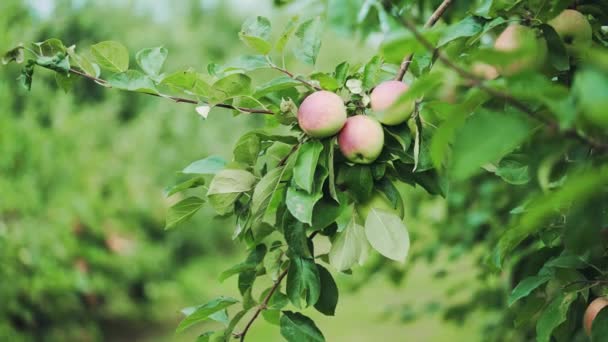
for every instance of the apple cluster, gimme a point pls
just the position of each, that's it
(361, 137)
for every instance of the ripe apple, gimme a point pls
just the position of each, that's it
(361, 139)
(322, 114)
(378, 201)
(574, 29)
(520, 41)
(384, 96)
(592, 310)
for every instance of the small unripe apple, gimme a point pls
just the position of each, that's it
(361, 139)
(322, 114)
(379, 201)
(517, 38)
(384, 96)
(574, 29)
(592, 311)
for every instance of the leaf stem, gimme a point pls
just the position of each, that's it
(405, 64)
(478, 82)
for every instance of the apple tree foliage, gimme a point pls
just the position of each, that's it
(520, 158)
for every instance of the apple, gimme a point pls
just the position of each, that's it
(592, 310)
(520, 41)
(322, 114)
(384, 96)
(378, 201)
(361, 139)
(574, 29)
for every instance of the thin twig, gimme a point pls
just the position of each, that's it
(478, 82)
(175, 99)
(264, 305)
(405, 64)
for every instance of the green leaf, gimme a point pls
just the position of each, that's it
(236, 269)
(553, 315)
(301, 204)
(51, 47)
(255, 33)
(133, 80)
(83, 63)
(567, 261)
(358, 179)
(202, 312)
(247, 149)
(247, 278)
(326, 81)
(59, 62)
(277, 84)
(341, 72)
(303, 282)
(590, 88)
(297, 241)
(526, 286)
(111, 55)
(480, 141)
(183, 210)
(286, 35)
(558, 56)
(296, 327)
(226, 187)
(599, 327)
(272, 264)
(276, 203)
(207, 166)
(27, 75)
(244, 63)
(151, 60)
(306, 163)
(188, 184)
(229, 181)
(328, 300)
(387, 234)
(181, 80)
(308, 38)
(230, 86)
(579, 187)
(371, 72)
(402, 43)
(513, 172)
(326, 212)
(265, 189)
(467, 27)
(349, 247)
(331, 174)
(64, 81)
